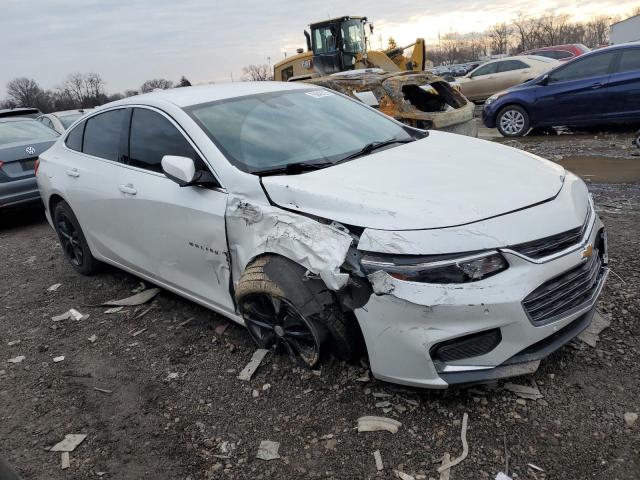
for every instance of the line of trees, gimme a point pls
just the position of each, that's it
(79, 90)
(523, 33)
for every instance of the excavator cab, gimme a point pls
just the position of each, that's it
(336, 43)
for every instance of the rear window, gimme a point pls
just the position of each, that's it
(555, 54)
(102, 134)
(24, 131)
(74, 139)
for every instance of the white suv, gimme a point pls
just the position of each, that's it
(325, 226)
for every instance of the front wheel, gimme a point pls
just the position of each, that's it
(513, 121)
(286, 311)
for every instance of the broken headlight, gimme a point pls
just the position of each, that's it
(437, 268)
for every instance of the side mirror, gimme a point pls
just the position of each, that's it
(544, 80)
(181, 170)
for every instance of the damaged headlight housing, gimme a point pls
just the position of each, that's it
(437, 268)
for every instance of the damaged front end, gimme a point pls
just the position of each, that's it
(420, 100)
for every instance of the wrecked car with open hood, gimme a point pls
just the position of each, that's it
(326, 227)
(420, 100)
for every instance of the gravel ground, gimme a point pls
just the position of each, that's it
(173, 407)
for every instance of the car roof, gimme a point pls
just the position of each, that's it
(621, 46)
(64, 113)
(186, 96)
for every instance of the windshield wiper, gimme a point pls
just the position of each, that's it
(293, 168)
(370, 147)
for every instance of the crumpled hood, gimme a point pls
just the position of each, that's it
(443, 180)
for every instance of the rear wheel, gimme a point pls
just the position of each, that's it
(513, 121)
(72, 239)
(287, 312)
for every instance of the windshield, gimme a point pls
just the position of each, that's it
(24, 131)
(67, 120)
(353, 36)
(267, 131)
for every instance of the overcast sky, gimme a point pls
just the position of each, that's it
(130, 41)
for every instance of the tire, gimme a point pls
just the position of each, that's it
(271, 281)
(74, 244)
(513, 121)
(637, 141)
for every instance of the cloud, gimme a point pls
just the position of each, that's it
(130, 41)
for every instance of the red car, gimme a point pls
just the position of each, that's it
(561, 53)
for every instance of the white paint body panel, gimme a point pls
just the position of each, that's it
(627, 30)
(444, 194)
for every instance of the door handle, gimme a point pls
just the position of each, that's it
(597, 85)
(73, 172)
(128, 189)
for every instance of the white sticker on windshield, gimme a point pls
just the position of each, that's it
(320, 93)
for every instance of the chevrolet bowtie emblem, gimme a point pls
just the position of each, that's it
(587, 252)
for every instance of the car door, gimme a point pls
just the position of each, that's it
(510, 73)
(481, 82)
(624, 87)
(575, 93)
(174, 234)
(90, 168)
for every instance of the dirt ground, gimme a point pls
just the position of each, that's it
(172, 407)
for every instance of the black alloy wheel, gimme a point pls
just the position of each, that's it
(70, 239)
(275, 324)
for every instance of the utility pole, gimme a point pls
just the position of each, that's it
(269, 60)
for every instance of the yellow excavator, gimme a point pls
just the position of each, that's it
(340, 44)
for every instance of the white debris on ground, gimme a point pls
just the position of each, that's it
(70, 442)
(465, 446)
(446, 474)
(248, 371)
(535, 467)
(113, 310)
(54, 287)
(268, 450)
(13, 342)
(524, 391)
(71, 314)
(402, 475)
(590, 335)
(378, 458)
(141, 287)
(502, 476)
(630, 418)
(172, 376)
(102, 390)
(377, 424)
(93, 338)
(65, 461)
(58, 359)
(17, 359)
(137, 299)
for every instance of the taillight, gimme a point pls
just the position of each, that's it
(36, 165)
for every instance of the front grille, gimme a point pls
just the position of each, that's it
(468, 346)
(565, 292)
(555, 243)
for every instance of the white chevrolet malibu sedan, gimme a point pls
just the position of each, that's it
(326, 227)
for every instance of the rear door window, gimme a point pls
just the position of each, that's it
(510, 65)
(629, 60)
(152, 137)
(486, 69)
(74, 139)
(102, 134)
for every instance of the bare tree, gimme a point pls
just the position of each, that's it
(499, 36)
(86, 90)
(392, 44)
(25, 92)
(256, 73)
(597, 31)
(151, 85)
(524, 27)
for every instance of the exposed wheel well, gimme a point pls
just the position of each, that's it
(53, 201)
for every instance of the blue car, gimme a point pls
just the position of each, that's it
(597, 88)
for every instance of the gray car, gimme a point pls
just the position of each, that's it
(22, 140)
